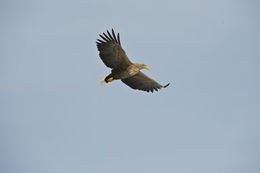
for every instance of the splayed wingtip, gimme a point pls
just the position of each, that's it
(166, 85)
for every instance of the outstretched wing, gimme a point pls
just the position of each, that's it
(142, 82)
(111, 52)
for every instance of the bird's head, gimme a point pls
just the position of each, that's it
(144, 66)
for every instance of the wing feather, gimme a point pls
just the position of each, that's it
(114, 36)
(104, 38)
(142, 82)
(118, 38)
(110, 36)
(111, 52)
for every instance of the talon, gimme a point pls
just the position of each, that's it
(110, 79)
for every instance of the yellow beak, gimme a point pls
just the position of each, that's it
(146, 67)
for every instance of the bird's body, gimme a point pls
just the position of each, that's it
(113, 56)
(129, 71)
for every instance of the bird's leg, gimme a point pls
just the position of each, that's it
(111, 79)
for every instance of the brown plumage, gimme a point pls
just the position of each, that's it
(114, 57)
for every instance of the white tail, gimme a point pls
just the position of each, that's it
(103, 82)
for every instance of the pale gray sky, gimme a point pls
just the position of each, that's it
(56, 118)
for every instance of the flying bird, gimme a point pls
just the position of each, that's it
(114, 57)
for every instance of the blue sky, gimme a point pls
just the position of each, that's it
(55, 117)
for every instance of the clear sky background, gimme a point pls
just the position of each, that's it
(56, 118)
